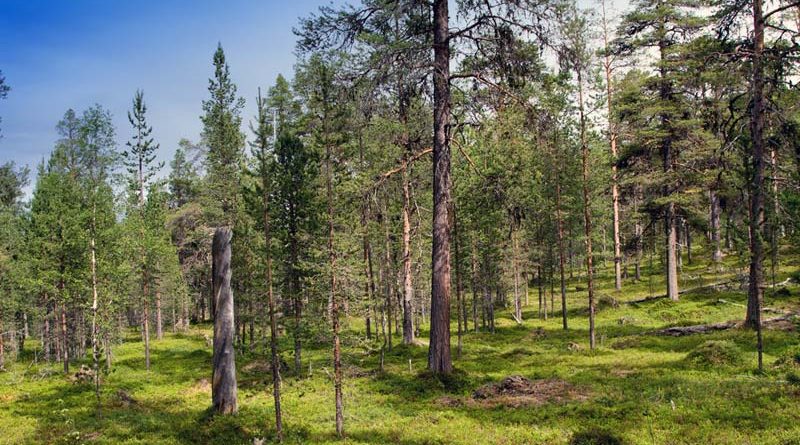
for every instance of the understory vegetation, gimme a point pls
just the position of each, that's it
(635, 388)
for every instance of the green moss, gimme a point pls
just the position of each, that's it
(637, 388)
(716, 353)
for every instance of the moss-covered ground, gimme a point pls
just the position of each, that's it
(635, 388)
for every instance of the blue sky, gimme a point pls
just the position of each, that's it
(57, 55)
(66, 54)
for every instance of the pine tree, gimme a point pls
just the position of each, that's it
(140, 162)
(222, 134)
(662, 25)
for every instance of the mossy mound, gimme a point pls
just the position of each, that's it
(716, 353)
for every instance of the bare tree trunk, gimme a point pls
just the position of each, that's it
(388, 282)
(587, 210)
(146, 318)
(337, 355)
(159, 324)
(755, 292)
(459, 296)
(612, 137)
(46, 337)
(670, 222)
(716, 247)
(273, 325)
(514, 261)
(369, 285)
(223, 376)
(408, 287)
(64, 338)
(439, 360)
(561, 258)
(95, 344)
(474, 287)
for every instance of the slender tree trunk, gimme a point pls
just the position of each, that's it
(539, 284)
(716, 246)
(561, 258)
(223, 376)
(755, 292)
(95, 344)
(337, 357)
(408, 286)
(46, 337)
(612, 139)
(273, 325)
(64, 338)
(665, 93)
(388, 283)
(474, 287)
(159, 323)
(587, 210)
(514, 261)
(146, 319)
(439, 361)
(459, 287)
(369, 285)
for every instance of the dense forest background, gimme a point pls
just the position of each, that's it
(425, 173)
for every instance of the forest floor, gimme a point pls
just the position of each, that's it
(635, 388)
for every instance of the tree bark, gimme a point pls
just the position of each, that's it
(459, 287)
(337, 355)
(369, 285)
(95, 344)
(755, 292)
(159, 323)
(716, 246)
(146, 318)
(64, 338)
(408, 286)
(223, 376)
(439, 361)
(273, 325)
(665, 94)
(514, 261)
(612, 139)
(587, 208)
(561, 259)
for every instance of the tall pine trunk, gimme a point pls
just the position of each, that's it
(439, 360)
(587, 208)
(755, 292)
(273, 325)
(612, 139)
(337, 354)
(408, 286)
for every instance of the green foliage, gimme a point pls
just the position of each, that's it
(225, 141)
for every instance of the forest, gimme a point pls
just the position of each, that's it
(456, 222)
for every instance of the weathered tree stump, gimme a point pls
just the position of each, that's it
(223, 376)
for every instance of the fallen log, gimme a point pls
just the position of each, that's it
(679, 331)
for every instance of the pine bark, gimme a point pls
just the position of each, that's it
(439, 360)
(159, 323)
(337, 354)
(561, 259)
(408, 286)
(755, 292)
(223, 376)
(273, 325)
(587, 209)
(612, 139)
